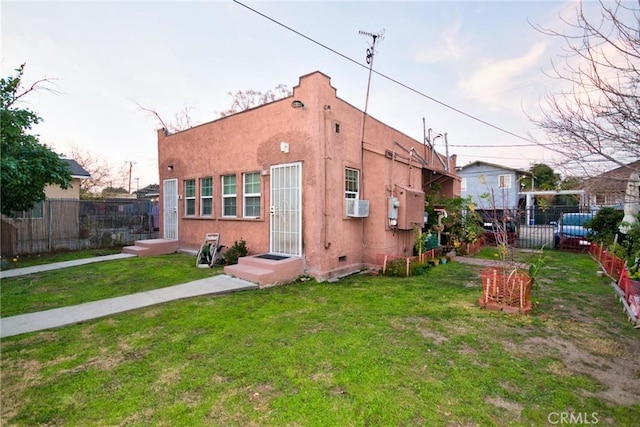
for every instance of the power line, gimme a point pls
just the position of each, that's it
(500, 145)
(416, 91)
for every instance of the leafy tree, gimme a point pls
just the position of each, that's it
(569, 183)
(595, 121)
(545, 177)
(604, 225)
(27, 166)
(114, 191)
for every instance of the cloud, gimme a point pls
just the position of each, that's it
(494, 80)
(449, 47)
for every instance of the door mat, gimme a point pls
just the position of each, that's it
(272, 257)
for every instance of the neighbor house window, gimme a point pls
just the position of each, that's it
(351, 183)
(229, 196)
(504, 181)
(463, 184)
(206, 196)
(251, 195)
(189, 197)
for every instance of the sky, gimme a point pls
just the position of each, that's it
(461, 61)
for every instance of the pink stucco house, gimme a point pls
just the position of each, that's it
(296, 178)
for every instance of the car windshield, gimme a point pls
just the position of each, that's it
(576, 219)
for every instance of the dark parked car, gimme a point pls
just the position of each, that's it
(570, 232)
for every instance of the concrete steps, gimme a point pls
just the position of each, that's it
(266, 272)
(151, 247)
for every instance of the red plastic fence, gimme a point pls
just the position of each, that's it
(615, 267)
(506, 289)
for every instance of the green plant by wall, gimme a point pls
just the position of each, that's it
(463, 223)
(396, 268)
(237, 250)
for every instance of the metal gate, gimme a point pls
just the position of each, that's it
(535, 229)
(170, 209)
(286, 210)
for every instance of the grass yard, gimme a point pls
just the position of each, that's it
(32, 260)
(364, 351)
(92, 282)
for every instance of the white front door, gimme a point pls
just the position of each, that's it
(170, 209)
(286, 210)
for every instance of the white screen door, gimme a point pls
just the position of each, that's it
(170, 209)
(286, 210)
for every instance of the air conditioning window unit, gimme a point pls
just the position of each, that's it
(357, 208)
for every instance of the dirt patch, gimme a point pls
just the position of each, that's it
(421, 325)
(260, 395)
(608, 362)
(512, 409)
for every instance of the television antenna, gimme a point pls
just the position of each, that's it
(375, 37)
(370, 54)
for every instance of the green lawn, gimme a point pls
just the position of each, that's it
(92, 282)
(364, 351)
(39, 259)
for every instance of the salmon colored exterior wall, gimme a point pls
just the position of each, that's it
(250, 141)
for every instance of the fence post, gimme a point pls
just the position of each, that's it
(49, 225)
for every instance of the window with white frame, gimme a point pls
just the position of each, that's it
(229, 195)
(463, 184)
(206, 196)
(504, 181)
(351, 183)
(251, 194)
(189, 197)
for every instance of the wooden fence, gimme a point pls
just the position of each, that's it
(67, 224)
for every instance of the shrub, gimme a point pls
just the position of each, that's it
(239, 249)
(604, 225)
(397, 267)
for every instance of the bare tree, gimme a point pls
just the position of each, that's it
(100, 170)
(182, 120)
(595, 123)
(244, 100)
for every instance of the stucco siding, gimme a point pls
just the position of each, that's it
(325, 137)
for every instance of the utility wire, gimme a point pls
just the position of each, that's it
(416, 91)
(500, 145)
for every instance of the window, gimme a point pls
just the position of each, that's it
(251, 195)
(504, 181)
(206, 196)
(229, 198)
(189, 197)
(351, 183)
(463, 184)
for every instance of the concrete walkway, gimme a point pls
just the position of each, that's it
(31, 322)
(56, 317)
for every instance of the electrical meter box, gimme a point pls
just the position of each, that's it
(411, 207)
